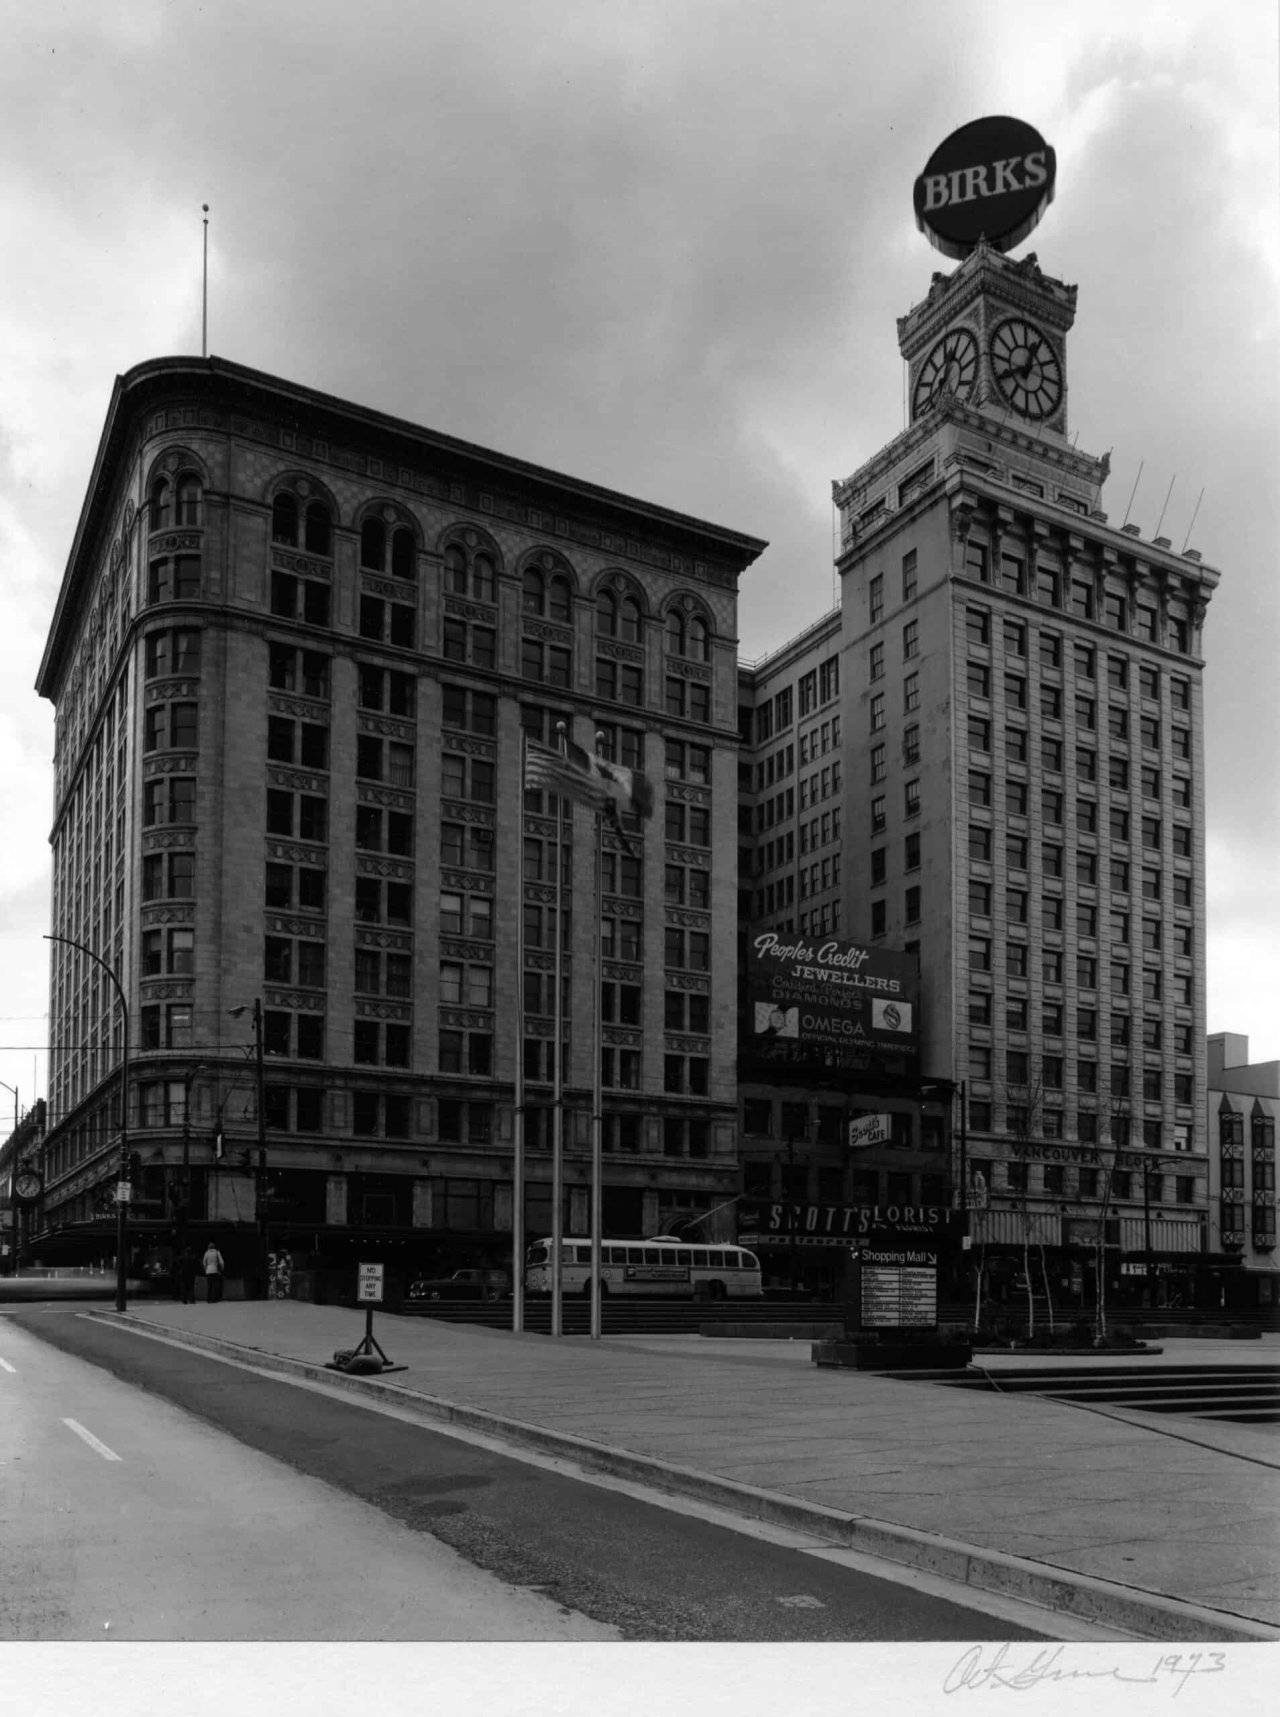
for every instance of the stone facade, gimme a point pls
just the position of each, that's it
(295, 656)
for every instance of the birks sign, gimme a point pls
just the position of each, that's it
(992, 180)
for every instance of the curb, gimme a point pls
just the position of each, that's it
(1128, 1609)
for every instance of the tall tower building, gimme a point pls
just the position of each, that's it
(1024, 781)
(295, 656)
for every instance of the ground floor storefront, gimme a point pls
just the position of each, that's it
(310, 1223)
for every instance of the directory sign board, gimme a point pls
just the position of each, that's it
(821, 1008)
(898, 1289)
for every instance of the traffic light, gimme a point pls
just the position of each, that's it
(135, 1167)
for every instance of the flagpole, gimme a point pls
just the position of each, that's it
(597, 1093)
(517, 1161)
(557, 1112)
(204, 289)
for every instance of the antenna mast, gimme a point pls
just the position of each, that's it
(204, 291)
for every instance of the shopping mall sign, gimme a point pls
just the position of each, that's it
(818, 1008)
(992, 180)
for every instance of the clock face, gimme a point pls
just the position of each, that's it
(951, 366)
(27, 1184)
(1026, 368)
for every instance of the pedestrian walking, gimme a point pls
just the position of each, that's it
(213, 1268)
(187, 1275)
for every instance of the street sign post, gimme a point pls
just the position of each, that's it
(368, 1357)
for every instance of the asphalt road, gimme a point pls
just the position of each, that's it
(649, 1572)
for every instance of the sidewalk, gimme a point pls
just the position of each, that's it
(1164, 1528)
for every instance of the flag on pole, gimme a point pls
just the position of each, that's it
(587, 780)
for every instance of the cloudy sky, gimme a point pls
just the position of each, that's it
(659, 244)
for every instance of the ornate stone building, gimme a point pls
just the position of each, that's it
(1022, 798)
(297, 651)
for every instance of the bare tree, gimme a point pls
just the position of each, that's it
(1117, 1134)
(979, 1199)
(1024, 1126)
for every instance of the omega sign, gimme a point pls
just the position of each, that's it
(992, 179)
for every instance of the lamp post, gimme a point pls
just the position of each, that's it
(791, 1203)
(122, 1202)
(1148, 1268)
(13, 1179)
(262, 1142)
(184, 1208)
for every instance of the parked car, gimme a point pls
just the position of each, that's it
(462, 1285)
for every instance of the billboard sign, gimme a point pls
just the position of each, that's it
(818, 1009)
(830, 1224)
(869, 1130)
(992, 180)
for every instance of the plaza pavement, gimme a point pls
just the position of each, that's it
(1160, 1527)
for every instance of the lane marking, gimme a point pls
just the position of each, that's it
(5, 1366)
(802, 1601)
(93, 1442)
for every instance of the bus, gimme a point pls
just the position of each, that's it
(665, 1266)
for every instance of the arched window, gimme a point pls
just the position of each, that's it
(483, 578)
(607, 614)
(559, 597)
(699, 639)
(319, 529)
(455, 570)
(284, 520)
(160, 504)
(533, 591)
(675, 633)
(629, 620)
(188, 499)
(373, 545)
(402, 553)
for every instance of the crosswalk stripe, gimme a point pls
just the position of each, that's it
(5, 1366)
(93, 1442)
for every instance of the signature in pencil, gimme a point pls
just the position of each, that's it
(983, 1668)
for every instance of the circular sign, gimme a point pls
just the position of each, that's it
(992, 180)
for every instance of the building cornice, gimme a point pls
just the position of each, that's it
(241, 395)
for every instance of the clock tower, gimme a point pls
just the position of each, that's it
(992, 336)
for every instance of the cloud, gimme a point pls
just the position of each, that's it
(658, 246)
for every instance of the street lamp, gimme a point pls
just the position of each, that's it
(236, 1013)
(931, 1090)
(13, 1176)
(122, 1199)
(184, 1208)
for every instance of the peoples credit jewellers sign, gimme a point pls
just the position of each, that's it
(816, 1007)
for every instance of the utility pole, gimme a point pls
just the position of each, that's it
(262, 1150)
(13, 1179)
(123, 1188)
(261, 1176)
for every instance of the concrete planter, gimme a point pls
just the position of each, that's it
(893, 1355)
